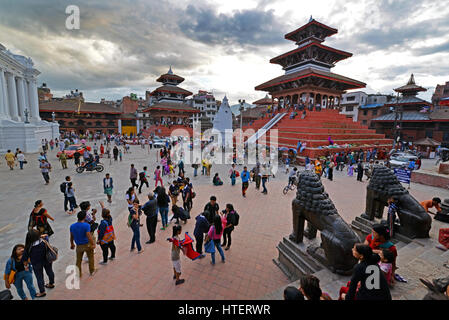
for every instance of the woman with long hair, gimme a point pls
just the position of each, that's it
(229, 222)
(130, 197)
(22, 273)
(367, 272)
(36, 254)
(39, 219)
(134, 224)
(214, 234)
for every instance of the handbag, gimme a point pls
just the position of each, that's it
(209, 247)
(11, 277)
(52, 252)
(443, 237)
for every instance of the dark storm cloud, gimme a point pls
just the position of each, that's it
(432, 49)
(241, 28)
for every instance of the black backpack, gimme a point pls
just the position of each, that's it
(63, 187)
(6, 295)
(236, 218)
(142, 175)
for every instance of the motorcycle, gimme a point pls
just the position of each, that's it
(94, 167)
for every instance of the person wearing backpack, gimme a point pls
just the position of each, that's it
(17, 270)
(39, 217)
(63, 189)
(106, 234)
(134, 224)
(232, 218)
(143, 179)
(36, 254)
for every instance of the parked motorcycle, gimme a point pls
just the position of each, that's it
(94, 167)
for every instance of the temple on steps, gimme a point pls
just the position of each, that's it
(308, 77)
(309, 96)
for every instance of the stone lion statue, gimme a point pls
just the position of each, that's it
(315, 206)
(414, 220)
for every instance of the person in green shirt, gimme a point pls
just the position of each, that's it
(63, 159)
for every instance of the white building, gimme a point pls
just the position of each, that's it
(19, 102)
(351, 102)
(223, 120)
(206, 103)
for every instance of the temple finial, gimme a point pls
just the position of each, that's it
(412, 79)
(311, 18)
(170, 71)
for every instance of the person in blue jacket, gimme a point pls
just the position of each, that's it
(245, 178)
(23, 272)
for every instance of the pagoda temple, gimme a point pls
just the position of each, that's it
(412, 115)
(308, 77)
(167, 104)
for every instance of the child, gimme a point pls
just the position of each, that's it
(386, 265)
(171, 170)
(120, 154)
(175, 256)
(351, 170)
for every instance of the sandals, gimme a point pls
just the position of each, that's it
(40, 295)
(49, 286)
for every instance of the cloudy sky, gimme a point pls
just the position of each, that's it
(122, 46)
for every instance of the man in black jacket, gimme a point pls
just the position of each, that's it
(201, 227)
(211, 209)
(150, 210)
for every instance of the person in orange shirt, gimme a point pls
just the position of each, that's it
(435, 202)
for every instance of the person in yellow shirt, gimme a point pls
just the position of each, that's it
(9, 156)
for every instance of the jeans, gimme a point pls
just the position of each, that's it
(195, 172)
(80, 249)
(136, 236)
(227, 236)
(26, 276)
(164, 215)
(264, 181)
(151, 227)
(203, 170)
(39, 273)
(220, 250)
(21, 165)
(232, 181)
(244, 187)
(72, 202)
(199, 243)
(46, 177)
(105, 248)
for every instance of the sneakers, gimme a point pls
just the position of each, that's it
(227, 248)
(103, 263)
(111, 258)
(140, 251)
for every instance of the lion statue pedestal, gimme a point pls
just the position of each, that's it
(298, 255)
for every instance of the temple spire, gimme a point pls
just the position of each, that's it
(170, 71)
(412, 80)
(311, 18)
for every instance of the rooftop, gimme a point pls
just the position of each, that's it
(172, 107)
(410, 87)
(372, 106)
(171, 89)
(406, 116)
(326, 30)
(70, 105)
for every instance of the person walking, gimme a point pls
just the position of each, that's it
(70, 193)
(63, 159)
(115, 153)
(106, 234)
(150, 210)
(143, 179)
(36, 254)
(195, 167)
(265, 175)
(134, 224)
(233, 174)
(359, 171)
(162, 203)
(63, 188)
(9, 156)
(76, 159)
(330, 170)
(187, 195)
(230, 215)
(157, 176)
(81, 236)
(201, 227)
(39, 219)
(214, 234)
(22, 272)
(245, 181)
(45, 169)
(21, 159)
(133, 176)
(108, 186)
(257, 175)
(181, 166)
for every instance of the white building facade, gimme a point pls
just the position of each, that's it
(223, 121)
(351, 102)
(20, 123)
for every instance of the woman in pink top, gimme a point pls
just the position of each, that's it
(157, 176)
(214, 234)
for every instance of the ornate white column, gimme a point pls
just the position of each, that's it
(34, 100)
(21, 97)
(3, 102)
(12, 97)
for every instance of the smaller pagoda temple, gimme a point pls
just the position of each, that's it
(412, 115)
(308, 79)
(167, 104)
